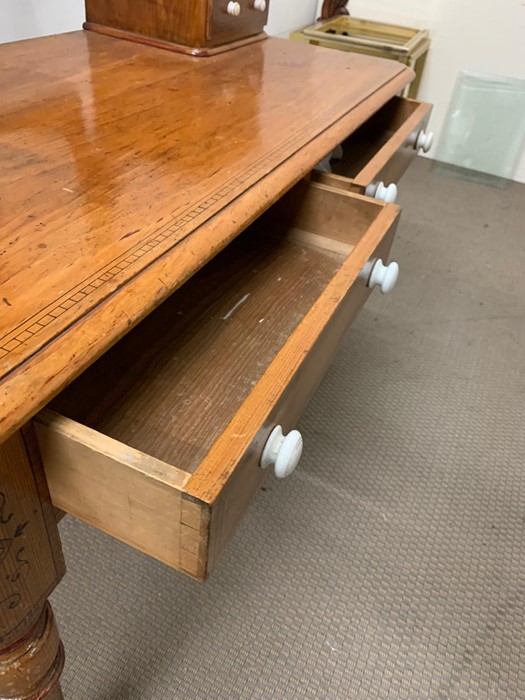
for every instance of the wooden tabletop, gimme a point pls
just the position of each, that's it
(125, 168)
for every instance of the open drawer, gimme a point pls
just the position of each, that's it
(382, 149)
(159, 443)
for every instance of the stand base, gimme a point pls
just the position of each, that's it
(198, 51)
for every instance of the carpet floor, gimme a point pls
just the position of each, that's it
(392, 563)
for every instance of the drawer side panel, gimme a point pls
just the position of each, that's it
(116, 489)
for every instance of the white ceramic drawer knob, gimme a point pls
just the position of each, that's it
(384, 276)
(283, 452)
(259, 5)
(424, 141)
(378, 190)
(233, 9)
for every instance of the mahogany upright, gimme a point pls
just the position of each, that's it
(197, 27)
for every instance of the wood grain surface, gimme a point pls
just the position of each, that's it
(174, 383)
(125, 168)
(183, 21)
(31, 565)
(200, 383)
(244, 430)
(125, 493)
(201, 51)
(241, 487)
(31, 561)
(383, 148)
(225, 28)
(30, 669)
(195, 23)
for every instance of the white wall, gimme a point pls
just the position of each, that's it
(476, 35)
(24, 19)
(287, 15)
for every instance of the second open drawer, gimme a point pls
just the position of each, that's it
(382, 149)
(159, 443)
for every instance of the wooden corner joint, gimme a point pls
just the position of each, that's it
(30, 668)
(194, 537)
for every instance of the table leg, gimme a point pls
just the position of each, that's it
(31, 565)
(55, 694)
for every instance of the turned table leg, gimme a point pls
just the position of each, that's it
(31, 565)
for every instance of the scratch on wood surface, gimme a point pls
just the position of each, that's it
(234, 308)
(206, 399)
(130, 233)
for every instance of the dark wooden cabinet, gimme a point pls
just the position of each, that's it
(198, 27)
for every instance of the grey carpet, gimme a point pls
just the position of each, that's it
(391, 565)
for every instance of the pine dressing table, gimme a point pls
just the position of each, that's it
(175, 278)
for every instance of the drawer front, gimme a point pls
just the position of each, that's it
(159, 442)
(382, 149)
(243, 485)
(226, 25)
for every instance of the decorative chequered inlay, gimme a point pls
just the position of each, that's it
(163, 238)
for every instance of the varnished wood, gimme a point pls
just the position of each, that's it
(29, 536)
(124, 169)
(381, 150)
(195, 24)
(55, 694)
(197, 357)
(384, 147)
(59, 514)
(31, 565)
(203, 375)
(340, 182)
(238, 492)
(179, 21)
(225, 29)
(172, 46)
(228, 450)
(30, 669)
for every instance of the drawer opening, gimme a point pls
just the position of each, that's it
(159, 442)
(172, 385)
(365, 143)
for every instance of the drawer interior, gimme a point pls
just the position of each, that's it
(159, 442)
(365, 143)
(173, 384)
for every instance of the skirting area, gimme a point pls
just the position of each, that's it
(392, 563)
